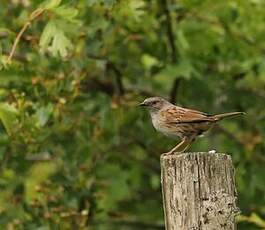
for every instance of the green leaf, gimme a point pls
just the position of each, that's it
(37, 174)
(50, 4)
(43, 114)
(182, 41)
(136, 6)
(8, 114)
(47, 34)
(60, 44)
(54, 37)
(149, 61)
(68, 13)
(133, 9)
(184, 69)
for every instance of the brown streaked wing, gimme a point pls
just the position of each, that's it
(179, 115)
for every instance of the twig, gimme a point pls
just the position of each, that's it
(16, 57)
(107, 87)
(35, 14)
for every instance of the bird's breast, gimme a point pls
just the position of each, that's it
(167, 129)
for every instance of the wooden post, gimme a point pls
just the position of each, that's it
(198, 191)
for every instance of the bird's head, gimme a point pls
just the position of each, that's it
(154, 104)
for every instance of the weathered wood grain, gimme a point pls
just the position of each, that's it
(198, 191)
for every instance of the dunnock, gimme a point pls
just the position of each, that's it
(175, 121)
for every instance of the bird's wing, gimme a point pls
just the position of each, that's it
(178, 115)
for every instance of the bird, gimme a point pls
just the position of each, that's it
(186, 124)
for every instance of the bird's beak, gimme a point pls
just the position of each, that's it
(142, 104)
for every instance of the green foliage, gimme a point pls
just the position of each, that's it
(75, 150)
(8, 116)
(53, 35)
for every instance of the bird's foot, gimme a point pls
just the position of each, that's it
(172, 153)
(168, 153)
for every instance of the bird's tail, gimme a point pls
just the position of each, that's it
(219, 117)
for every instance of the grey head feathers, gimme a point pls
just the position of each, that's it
(154, 104)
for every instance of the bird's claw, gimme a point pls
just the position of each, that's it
(171, 153)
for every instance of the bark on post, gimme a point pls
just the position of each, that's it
(198, 191)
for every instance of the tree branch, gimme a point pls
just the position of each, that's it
(107, 87)
(171, 40)
(170, 33)
(112, 66)
(94, 84)
(118, 74)
(174, 89)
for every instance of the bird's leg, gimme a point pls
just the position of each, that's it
(180, 147)
(188, 143)
(185, 147)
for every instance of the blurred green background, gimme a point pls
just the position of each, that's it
(75, 150)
